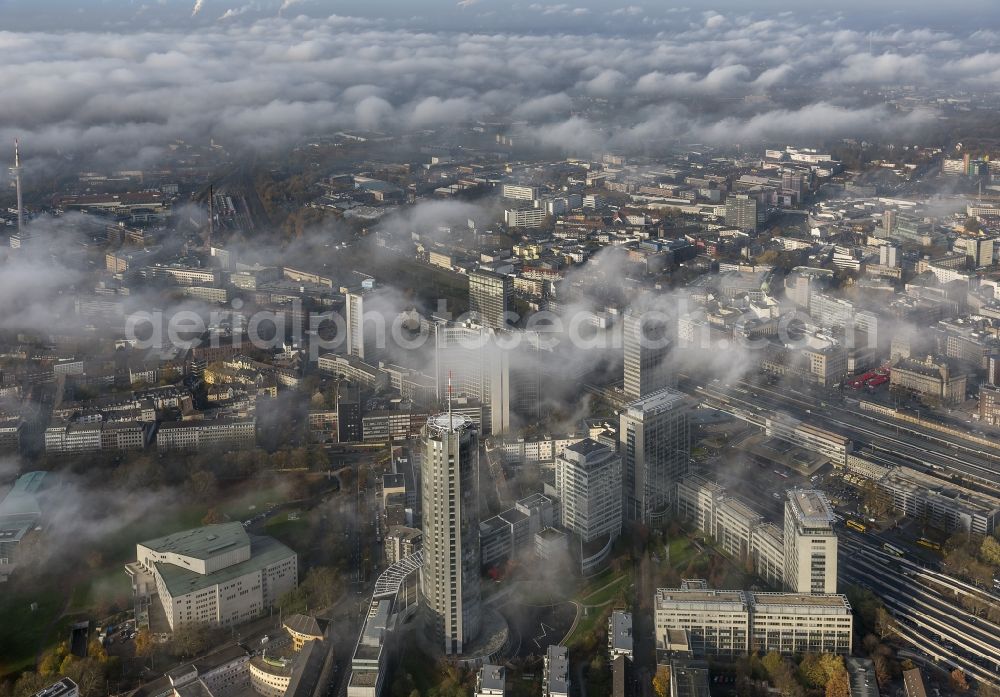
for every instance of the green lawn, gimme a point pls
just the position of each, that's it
(24, 633)
(681, 552)
(594, 582)
(587, 624)
(253, 499)
(521, 685)
(599, 597)
(108, 587)
(24, 630)
(285, 530)
(120, 545)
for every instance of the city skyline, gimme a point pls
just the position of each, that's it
(499, 348)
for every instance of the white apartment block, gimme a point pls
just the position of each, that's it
(63, 688)
(945, 505)
(524, 217)
(696, 500)
(620, 640)
(371, 655)
(519, 192)
(216, 574)
(179, 435)
(73, 438)
(738, 529)
(184, 275)
(804, 435)
(735, 522)
(353, 368)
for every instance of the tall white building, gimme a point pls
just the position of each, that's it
(489, 297)
(589, 486)
(646, 347)
(888, 255)
(358, 344)
(479, 367)
(655, 445)
(216, 574)
(449, 577)
(810, 543)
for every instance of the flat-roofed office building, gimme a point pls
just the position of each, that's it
(589, 486)
(489, 297)
(656, 448)
(792, 623)
(810, 543)
(717, 622)
(733, 623)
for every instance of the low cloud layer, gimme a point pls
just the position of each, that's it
(250, 79)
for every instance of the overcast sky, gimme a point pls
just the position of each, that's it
(118, 79)
(524, 15)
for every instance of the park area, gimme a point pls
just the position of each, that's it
(71, 582)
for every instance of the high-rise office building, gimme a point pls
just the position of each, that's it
(348, 413)
(449, 577)
(655, 445)
(589, 486)
(744, 212)
(360, 342)
(467, 353)
(888, 223)
(489, 297)
(646, 346)
(810, 543)
(888, 255)
(993, 369)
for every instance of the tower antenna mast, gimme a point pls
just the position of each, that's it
(16, 171)
(211, 216)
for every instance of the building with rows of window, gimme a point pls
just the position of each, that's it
(216, 574)
(734, 622)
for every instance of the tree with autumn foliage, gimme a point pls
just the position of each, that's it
(839, 683)
(661, 681)
(958, 681)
